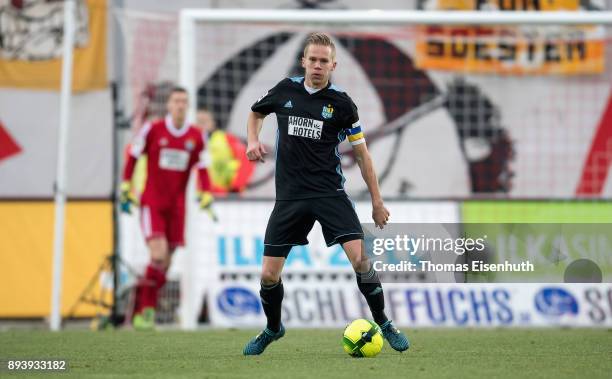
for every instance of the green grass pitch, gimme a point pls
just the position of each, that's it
(317, 354)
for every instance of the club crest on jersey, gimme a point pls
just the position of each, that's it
(163, 141)
(189, 144)
(328, 111)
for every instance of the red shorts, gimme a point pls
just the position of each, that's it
(168, 223)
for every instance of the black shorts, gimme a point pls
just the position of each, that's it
(292, 220)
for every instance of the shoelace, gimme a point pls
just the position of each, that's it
(264, 336)
(392, 329)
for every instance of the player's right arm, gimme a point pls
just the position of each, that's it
(255, 149)
(138, 146)
(264, 106)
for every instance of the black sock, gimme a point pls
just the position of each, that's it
(271, 299)
(370, 287)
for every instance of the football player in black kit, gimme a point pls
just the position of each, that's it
(314, 116)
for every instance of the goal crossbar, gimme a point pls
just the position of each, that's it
(397, 17)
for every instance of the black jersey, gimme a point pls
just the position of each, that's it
(310, 128)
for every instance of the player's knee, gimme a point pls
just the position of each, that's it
(356, 254)
(160, 255)
(269, 277)
(161, 264)
(357, 263)
(360, 263)
(161, 260)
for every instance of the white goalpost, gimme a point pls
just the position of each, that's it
(55, 317)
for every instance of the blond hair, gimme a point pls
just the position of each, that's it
(321, 39)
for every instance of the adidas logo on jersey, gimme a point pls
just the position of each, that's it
(288, 104)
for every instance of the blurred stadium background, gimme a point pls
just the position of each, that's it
(466, 124)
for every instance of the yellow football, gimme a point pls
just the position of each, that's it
(362, 338)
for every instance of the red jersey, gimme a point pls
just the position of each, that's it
(171, 154)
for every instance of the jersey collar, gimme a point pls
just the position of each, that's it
(173, 130)
(303, 81)
(311, 90)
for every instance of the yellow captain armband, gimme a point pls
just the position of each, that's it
(355, 135)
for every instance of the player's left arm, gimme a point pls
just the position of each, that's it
(205, 198)
(380, 214)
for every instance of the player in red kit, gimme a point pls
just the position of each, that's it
(173, 148)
